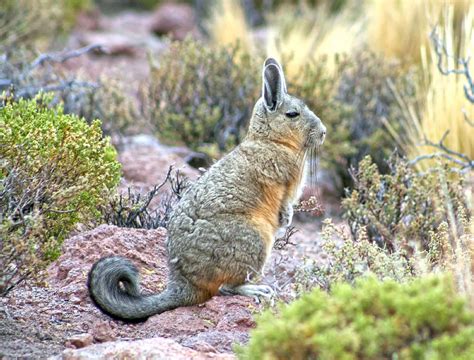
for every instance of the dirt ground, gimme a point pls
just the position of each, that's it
(41, 321)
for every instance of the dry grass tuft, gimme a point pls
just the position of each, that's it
(443, 106)
(227, 25)
(399, 29)
(317, 33)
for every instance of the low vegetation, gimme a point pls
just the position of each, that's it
(203, 96)
(424, 318)
(56, 169)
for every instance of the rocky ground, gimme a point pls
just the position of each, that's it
(57, 319)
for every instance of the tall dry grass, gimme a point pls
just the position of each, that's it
(400, 28)
(227, 25)
(443, 105)
(316, 33)
(296, 34)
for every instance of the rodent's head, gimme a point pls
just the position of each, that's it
(283, 118)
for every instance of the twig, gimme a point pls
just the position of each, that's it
(441, 52)
(61, 58)
(466, 119)
(458, 158)
(283, 241)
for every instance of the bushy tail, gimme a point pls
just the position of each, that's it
(114, 287)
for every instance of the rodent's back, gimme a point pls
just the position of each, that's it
(240, 183)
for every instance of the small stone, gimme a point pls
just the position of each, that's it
(102, 331)
(79, 341)
(75, 299)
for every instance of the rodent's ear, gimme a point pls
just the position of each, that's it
(274, 86)
(271, 60)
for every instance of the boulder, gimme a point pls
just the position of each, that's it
(176, 20)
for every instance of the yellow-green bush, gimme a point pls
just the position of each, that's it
(423, 319)
(348, 258)
(55, 171)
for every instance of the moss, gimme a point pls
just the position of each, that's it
(423, 319)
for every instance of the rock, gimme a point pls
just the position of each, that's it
(198, 160)
(155, 348)
(79, 341)
(113, 43)
(145, 248)
(177, 20)
(75, 299)
(102, 331)
(147, 165)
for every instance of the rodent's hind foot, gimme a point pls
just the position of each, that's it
(250, 290)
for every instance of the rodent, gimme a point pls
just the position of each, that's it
(222, 230)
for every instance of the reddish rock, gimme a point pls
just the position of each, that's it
(79, 341)
(156, 348)
(148, 165)
(102, 331)
(177, 20)
(144, 247)
(210, 327)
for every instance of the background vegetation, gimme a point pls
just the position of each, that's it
(398, 102)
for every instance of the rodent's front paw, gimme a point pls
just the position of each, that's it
(285, 216)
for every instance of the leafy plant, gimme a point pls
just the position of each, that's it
(34, 23)
(203, 96)
(347, 258)
(365, 87)
(400, 209)
(421, 319)
(56, 169)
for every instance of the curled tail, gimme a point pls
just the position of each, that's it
(114, 287)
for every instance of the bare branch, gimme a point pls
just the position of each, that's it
(466, 119)
(61, 58)
(30, 91)
(284, 241)
(458, 158)
(441, 53)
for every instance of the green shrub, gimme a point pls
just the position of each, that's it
(55, 171)
(36, 23)
(423, 319)
(402, 208)
(345, 258)
(365, 88)
(110, 102)
(203, 96)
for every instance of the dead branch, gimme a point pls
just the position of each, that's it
(284, 241)
(458, 158)
(61, 58)
(441, 53)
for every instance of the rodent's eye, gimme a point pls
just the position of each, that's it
(292, 114)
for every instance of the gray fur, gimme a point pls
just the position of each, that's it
(222, 230)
